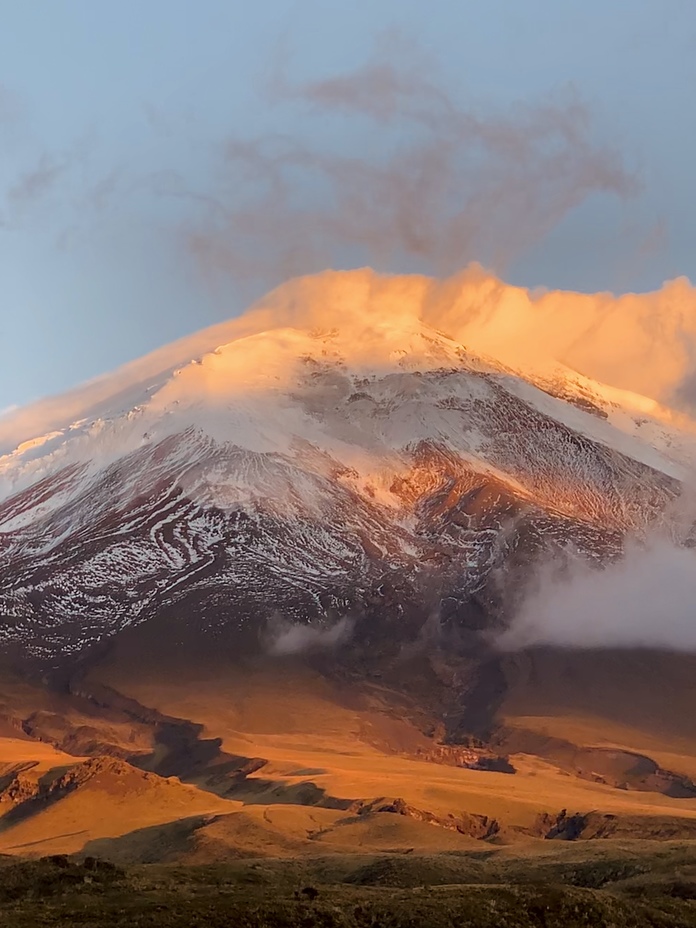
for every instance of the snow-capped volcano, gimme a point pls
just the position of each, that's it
(332, 452)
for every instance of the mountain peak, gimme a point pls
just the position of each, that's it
(637, 343)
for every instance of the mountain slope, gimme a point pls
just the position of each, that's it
(375, 470)
(274, 560)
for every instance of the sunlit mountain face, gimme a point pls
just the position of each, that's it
(384, 563)
(356, 448)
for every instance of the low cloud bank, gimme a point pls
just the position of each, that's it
(646, 599)
(296, 638)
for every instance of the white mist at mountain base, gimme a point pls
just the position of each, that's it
(294, 638)
(646, 599)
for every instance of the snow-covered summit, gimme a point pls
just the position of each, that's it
(348, 428)
(239, 381)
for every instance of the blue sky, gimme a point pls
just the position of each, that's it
(115, 117)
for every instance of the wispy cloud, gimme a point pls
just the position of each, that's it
(287, 638)
(421, 176)
(647, 598)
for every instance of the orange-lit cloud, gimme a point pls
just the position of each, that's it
(641, 343)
